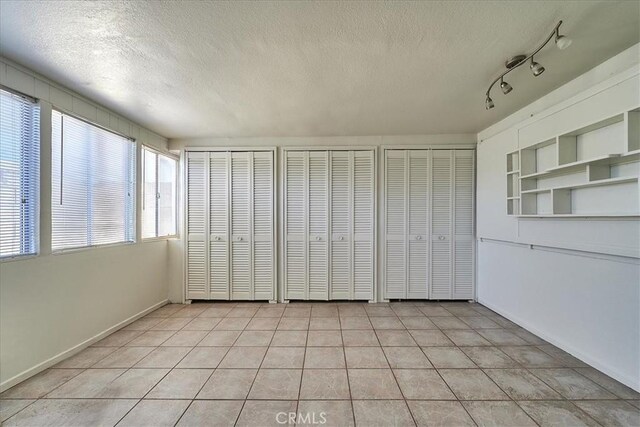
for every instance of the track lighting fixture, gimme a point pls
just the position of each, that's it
(536, 68)
(562, 42)
(488, 103)
(506, 87)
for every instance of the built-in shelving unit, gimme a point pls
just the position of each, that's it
(564, 176)
(513, 183)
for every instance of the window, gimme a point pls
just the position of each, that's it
(93, 185)
(159, 195)
(19, 174)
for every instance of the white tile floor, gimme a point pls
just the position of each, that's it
(409, 363)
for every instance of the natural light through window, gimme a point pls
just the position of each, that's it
(19, 174)
(93, 185)
(159, 194)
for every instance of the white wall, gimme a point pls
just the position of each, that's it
(176, 293)
(54, 305)
(574, 282)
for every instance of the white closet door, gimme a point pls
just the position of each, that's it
(441, 227)
(463, 270)
(295, 194)
(418, 224)
(219, 163)
(241, 262)
(363, 224)
(262, 236)
(196, 215)
(318, 248)
(341, 170)
(395, 224)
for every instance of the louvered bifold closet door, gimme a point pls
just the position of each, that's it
(463, 245)
(219, 164)
(241, 224)
(441, 224)
(341, 170)
(197, 228)
(318, 217)
(418, 223)
(295, 230)
(263, 235)
(363, 224)
(395, 224)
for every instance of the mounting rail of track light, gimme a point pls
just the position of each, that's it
(562, 42)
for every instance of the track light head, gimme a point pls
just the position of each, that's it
(536, 68)
(563, 42)
(488, 103)
(506, 87)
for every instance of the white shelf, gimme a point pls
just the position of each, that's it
(594, 155)
(598, 183)
(570, 166)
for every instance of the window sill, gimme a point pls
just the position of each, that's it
(14, 258)
(88, 248)
(159, 239)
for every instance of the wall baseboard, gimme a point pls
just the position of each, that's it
(76, 349)
(602, 367)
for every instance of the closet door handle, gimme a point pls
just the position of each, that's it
(318, 238)
(418, 237)
(441, 238)
(239, 239)
(340, 238)
(217, 237)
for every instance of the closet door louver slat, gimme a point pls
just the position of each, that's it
(240, 225)
(197, 277)
(263, 274)
(418, 228)
(219, 163)
(295, 225)
(363, 224)
(318, 250)
(441, 225)
(463, 225)
(395, 224)
(341, 259)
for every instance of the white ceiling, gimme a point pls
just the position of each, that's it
(192, 69)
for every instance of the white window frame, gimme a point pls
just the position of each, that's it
(134, 231)
(37, 197)
(142, 195)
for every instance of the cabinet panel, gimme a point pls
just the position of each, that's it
(263, 257)
(463, 269)
(363, 224)
(219, 225)
(341, 260)
(295, 225)
(395, 224)
(318, 250)
(418, 209)
(197, 277)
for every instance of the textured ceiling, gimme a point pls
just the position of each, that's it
(191, 69)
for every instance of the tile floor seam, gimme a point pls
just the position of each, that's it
(257, 371)
(404, 399)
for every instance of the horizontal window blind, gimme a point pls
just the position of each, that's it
(159, 198)
(93, 185)
(19, 174)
